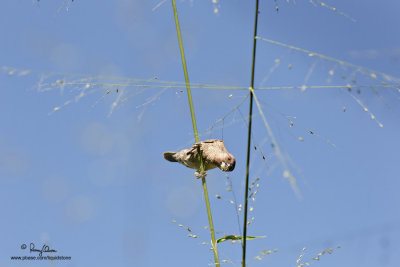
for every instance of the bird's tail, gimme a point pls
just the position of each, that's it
(170, 156)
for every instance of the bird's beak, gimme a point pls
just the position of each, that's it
(226, 167)
(231, 167)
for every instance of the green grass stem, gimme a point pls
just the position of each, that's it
(196, 136)
(246, 193)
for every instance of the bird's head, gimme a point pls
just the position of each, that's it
(228, 164)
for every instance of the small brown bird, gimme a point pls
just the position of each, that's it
(214, 155)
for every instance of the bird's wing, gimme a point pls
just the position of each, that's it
(214, 151)
(211, 141)
(204, 148)
(193, 150)
(203, 145)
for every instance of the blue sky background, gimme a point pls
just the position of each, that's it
(89, 179)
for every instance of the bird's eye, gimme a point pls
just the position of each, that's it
(229, 158)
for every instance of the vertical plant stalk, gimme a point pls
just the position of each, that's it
(196, 136)
(246, 193)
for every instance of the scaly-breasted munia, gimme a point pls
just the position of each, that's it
(214, 155)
